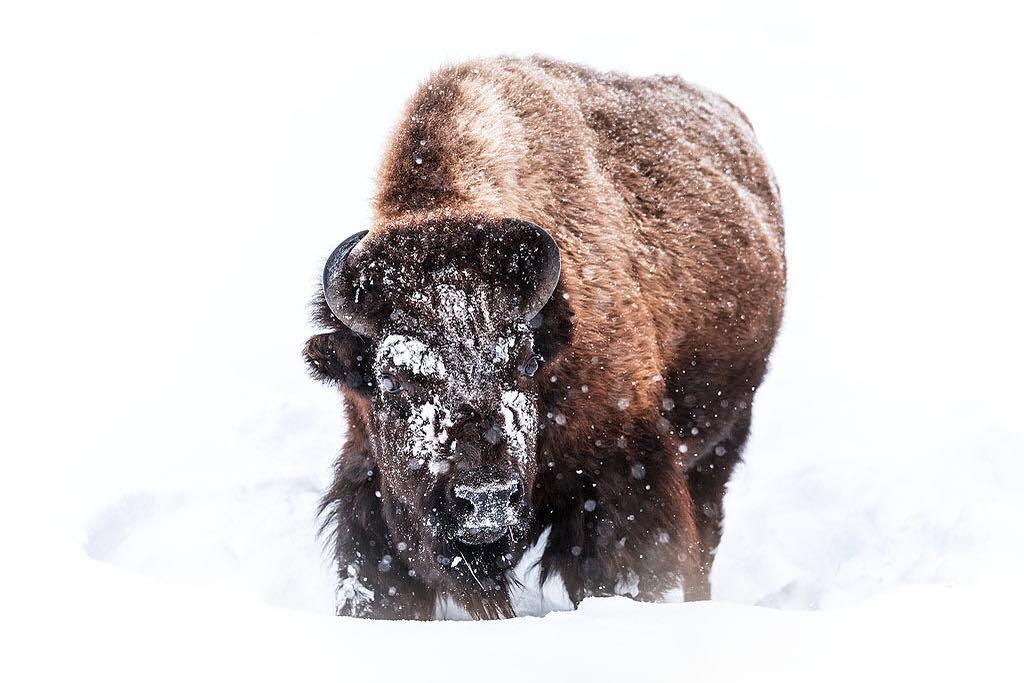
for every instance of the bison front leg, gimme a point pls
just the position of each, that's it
(625, 527)
(383, 592)
(606, 558)
(373, 582)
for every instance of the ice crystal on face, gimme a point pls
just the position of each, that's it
(623, 403)
(411, 354)
(519, 417)
(502, 348)
(439, 466)
(428, 425)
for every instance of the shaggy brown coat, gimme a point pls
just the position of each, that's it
(670, 231)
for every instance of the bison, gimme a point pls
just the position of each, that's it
(551, 333)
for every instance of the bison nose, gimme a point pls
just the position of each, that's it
(487, 498)
(486, 504)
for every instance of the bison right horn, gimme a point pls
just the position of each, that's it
(336, 287)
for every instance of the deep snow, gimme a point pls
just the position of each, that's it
(174, 178)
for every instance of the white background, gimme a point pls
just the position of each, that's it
(172, 176)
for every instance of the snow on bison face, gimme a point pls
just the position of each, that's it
(449, 313)
(454, 415)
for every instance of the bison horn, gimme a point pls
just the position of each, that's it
(337, 289)
(549, 270)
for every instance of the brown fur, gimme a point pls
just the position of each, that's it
(671, 294)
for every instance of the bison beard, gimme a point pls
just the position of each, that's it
(557, 321)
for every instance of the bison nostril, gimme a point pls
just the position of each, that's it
(459, 503)
(462, 507)
(517, 493)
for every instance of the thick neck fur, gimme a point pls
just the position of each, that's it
(660, 159)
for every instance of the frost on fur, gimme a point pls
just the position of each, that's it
(352, 598)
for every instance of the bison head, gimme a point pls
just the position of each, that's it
(442, 351)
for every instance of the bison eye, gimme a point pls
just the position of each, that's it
(531, 366)
(390, 384)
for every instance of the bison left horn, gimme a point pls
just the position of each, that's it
(549, 268)
(341, 304)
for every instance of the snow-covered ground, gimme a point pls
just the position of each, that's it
(171, 179)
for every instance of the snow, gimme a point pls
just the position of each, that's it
(166, 214)
(427, 443)
(351, 592)
(410, 353)
(519, 418)
(502, 348)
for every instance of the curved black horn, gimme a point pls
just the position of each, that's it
(550, 268)
(337, 292)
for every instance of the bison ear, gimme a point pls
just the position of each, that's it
(534, 261)
(338, 358)
(341, 288)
